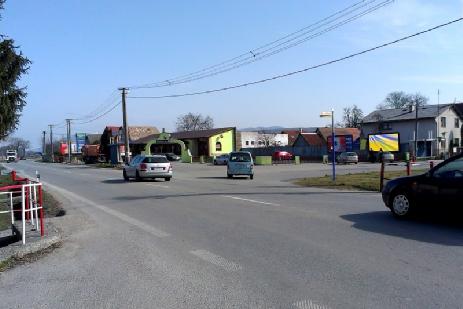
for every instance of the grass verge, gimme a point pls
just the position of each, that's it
(359, 181)
(52, 206)
(30, 257)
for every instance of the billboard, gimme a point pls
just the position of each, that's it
(80, 142)
(383, 142)
(341, 143)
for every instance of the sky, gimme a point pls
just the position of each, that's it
(83, 50)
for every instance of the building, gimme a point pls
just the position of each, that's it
(112, 141)
(208, 143)
(439, 128)
(255, 139)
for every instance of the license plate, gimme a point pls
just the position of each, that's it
(157, 168)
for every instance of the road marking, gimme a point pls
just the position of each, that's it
(147, 228)
(157, 185)
(216, 260)
(249, 200)
(308, 304)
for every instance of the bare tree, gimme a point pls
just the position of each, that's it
(193, 122)
(17, 142)
(400, 99)
(352, 117)
(265, 139)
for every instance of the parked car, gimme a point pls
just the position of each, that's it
(221, 160)
(282, 155)
(439, 188)
(240, 163)
(348, 157)
(144, 166)
(386, 157)
(172, 156)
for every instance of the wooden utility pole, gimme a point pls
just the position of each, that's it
(125, 126)
(51, 143)
(68, 132)
(44, 144)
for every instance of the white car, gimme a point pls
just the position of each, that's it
(144, 166)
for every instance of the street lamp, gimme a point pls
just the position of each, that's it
(333, 159)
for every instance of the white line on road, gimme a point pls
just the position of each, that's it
(216, 260)
(308, 304)
(157, 185)
(249, 200)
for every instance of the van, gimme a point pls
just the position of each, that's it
(240, 163)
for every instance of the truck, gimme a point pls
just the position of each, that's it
(11, 155)
(91, 154)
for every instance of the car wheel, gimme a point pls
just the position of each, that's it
(167, 179)
(137, 176)
(229, 175)
(401, 205)
(124, 174)
(251, 177)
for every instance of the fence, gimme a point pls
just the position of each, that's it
(31, 203)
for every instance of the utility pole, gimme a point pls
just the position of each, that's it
(438, 123)
(44, 144)
(416, 128)
(333, 135)
(68, 132)
(51, 144)
(124, 124)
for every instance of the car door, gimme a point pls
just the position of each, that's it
(449, 178)
(132, 168)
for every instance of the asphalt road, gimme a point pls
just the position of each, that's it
(205, 241)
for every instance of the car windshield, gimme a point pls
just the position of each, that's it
(240, 157)
(159, 159)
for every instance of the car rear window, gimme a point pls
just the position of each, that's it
(351, 154)
(155, 160)
(240, 157)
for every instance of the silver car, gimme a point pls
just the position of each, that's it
(348, 157)
(144, 166)
(386, 157)
(221, 160)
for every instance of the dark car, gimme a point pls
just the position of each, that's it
(282, 155)
(441, 188)
(172, 156)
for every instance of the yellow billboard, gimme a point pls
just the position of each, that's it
(383, 142)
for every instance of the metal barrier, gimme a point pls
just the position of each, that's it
(31, 204)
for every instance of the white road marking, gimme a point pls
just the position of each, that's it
(147, 228)
(308, 304)
(157, 185)
(216, 260)
(249, 200)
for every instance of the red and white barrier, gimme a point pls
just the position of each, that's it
(31, 203)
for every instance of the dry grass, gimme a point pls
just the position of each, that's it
(360, 181)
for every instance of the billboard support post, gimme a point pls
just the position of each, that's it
(333, 153)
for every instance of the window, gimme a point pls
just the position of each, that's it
(252, 142)
(457, 122)
(247, 143)
(157, 159)
(453, 169)
(443, 122)
(259, 142)
(385, 126)
(240, 157)
(218, 146)
(456, 142)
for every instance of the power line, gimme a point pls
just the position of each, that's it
(295, 38)
(302, 70)
(101, 115)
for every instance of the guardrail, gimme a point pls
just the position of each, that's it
(31, 203)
